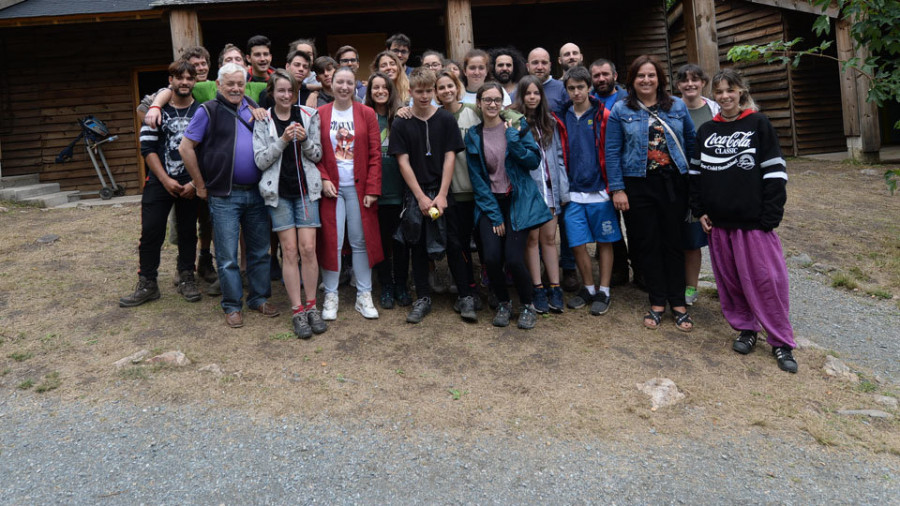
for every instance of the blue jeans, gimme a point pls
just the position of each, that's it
(242, 210)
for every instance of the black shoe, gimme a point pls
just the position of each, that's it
(570, 280)
(600, 304)
(583, 298)
(205, 269)
(465, 306)
(301, 326)
(785, 357)
(504, 312)
(492, 301)
(316, 323)
(420, 309)
(145, 291)
(401, 296)
(187, 287)
(527, 317)
(387, 297)
(745, 342)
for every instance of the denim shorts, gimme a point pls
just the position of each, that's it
(290, 213)
(692, 236)
(594, 222)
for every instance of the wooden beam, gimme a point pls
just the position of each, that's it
(799, 6)
(849, 105)
(700, 33)
(860, 116)
(185, 28)
(80, 18)
(460, 34)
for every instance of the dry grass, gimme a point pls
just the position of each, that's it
(573, 376)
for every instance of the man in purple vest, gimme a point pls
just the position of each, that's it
(217, 150)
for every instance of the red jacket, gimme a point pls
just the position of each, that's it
(367, 176)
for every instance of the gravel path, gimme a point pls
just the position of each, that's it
(71, 452)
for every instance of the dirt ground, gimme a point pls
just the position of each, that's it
(574, 375)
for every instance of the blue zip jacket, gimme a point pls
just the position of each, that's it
(627, 139)
(527, 208)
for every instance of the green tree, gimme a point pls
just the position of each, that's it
(875, 25)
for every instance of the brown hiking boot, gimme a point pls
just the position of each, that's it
(145, 291)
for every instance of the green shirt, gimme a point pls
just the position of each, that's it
(206, 91)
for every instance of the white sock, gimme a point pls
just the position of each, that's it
(604, 289)
(590, 288)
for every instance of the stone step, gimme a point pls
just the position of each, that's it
(23, 180)
(50, 199)
(28, 191)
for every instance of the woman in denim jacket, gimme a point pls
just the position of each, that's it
(649, 141)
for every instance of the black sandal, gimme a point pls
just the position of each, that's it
(681, 319)
(655, 317)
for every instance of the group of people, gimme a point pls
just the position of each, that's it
(491, 156)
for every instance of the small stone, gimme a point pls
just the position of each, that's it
(47, 239)
(810, 173)
(886, 401)
(834, 367)
(871, 413)
(870, 172)
(213, 368)
(802, 260)
(170, 357)
(131, 359)
(805, 344)
(662, 391)
(116, 205)
(3, 209)
(823, 268)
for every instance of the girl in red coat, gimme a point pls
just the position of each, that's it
(351, 184)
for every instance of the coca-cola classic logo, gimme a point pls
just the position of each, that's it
(728, 144)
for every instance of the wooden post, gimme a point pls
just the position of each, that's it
(460, 36)
(860, 116)
(185, 28)
(700, 34)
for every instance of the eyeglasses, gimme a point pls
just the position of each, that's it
(348, 60)
(434, 65)
(401, 50)
(489, 100)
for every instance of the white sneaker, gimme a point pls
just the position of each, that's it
(365, 306)
(330, 307)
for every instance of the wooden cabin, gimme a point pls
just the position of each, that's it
(65, 60)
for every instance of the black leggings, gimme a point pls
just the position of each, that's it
(509, 250)
(155, 205)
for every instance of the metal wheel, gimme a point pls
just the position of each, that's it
(119, 191)
(106, 193)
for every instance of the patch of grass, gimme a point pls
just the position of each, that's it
(134, 373)
(318, 349)
(341, 378)
(400, 372)
(858, 273)
(457, 393)
(841, 280)
(5, 371)
(91, 341)
(51, 381)
(25, 385)
(821, 433)
(21, 356)
(283, 336)
(866, 386)
(881, 294)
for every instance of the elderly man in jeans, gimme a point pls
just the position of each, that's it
(217, 150)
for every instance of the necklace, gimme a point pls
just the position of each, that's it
(186, 109)
(729, 118)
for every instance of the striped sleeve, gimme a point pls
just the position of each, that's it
(149, 140)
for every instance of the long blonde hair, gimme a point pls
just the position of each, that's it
(735, 80)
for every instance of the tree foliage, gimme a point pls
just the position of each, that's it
(875, 25)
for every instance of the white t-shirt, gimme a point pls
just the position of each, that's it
(469, 98)
(342, 140)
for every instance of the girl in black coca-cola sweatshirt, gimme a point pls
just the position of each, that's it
(737, 188)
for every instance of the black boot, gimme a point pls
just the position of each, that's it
(145, 291)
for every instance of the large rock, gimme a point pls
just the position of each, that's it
(662, 391)
(884, 400)
(871, 413)
(170, 357)
(131, 359)
(837, 369)
(213, 368)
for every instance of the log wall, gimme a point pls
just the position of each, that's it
(87, 71)
(804, 104)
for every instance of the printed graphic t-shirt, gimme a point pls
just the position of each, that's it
(342, 137)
